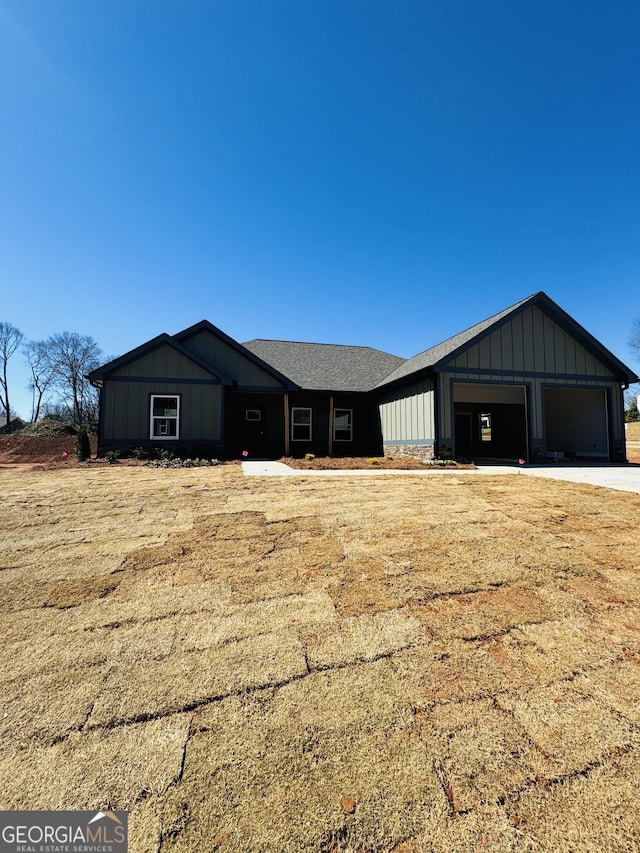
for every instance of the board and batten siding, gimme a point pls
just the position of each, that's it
(126, 410)
(532, 342)
(164, 362)
(229, 361)
(534, 351)
(125, 413)
(407, 414)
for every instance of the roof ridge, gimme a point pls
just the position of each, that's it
(488, 320)
(317, 344)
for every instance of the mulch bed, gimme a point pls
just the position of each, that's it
(350, 463)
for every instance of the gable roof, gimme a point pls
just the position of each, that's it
(435, 357)
(254, 357)
(327, 367)
(99, 373)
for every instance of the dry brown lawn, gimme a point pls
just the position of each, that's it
(633, 442)
(438, 663)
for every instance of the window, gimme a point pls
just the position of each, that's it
(164, 416)
(252, 415)
(301, 424)
(485, 426)
(342, 424)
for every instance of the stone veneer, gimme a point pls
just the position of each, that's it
(412, 451)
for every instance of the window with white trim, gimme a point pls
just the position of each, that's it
(343, 424)
(485, 426)
(300, 424)
(165, 412)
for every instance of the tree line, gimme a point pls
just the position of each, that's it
(57, 367)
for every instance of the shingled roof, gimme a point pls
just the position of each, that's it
(430, 357)
(326, 367)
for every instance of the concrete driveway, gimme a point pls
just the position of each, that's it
(625, 478)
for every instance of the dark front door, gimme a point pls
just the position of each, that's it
(254, 425)
(253, 430)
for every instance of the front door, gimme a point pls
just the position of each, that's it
(254, 430)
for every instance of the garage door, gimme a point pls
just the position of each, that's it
(490, 421)
(576, 422)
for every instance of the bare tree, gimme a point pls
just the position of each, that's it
(634, 340)
(72, 356)
(37, 356)
(10, 340)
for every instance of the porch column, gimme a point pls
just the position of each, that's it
(331, 425)
(286, 424)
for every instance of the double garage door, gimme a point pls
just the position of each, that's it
(492, 421)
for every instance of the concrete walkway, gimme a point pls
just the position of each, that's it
(625, 478)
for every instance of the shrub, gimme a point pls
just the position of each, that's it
(112, 456)
(139, 452)
(373, 461)
(83, 446)
(309, 456)
(171, 462)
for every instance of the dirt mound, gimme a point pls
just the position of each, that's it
(48, 427)
(49, 450)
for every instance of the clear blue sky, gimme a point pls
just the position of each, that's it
(351, 171)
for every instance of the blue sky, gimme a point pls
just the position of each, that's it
(380, 173)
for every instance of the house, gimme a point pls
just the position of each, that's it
(529, 382)
(16, 424)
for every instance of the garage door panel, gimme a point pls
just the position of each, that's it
(576, 422)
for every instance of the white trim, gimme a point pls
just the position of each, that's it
(294, 424)
(157, 436)
(335, 413)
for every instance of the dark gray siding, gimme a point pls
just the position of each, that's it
(164, 362)
(229, 361)
(125, 415)
(532, 343)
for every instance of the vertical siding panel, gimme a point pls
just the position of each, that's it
(538, 341)
(470, 357)
(506, 339)
(484, 353)
(537, 408)
(528, 351)
(517, 343)
(549, 345)
(496, 350)
(571, 355)
(559, 347)
(420, 405)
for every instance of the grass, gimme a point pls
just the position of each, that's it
(399, 664)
